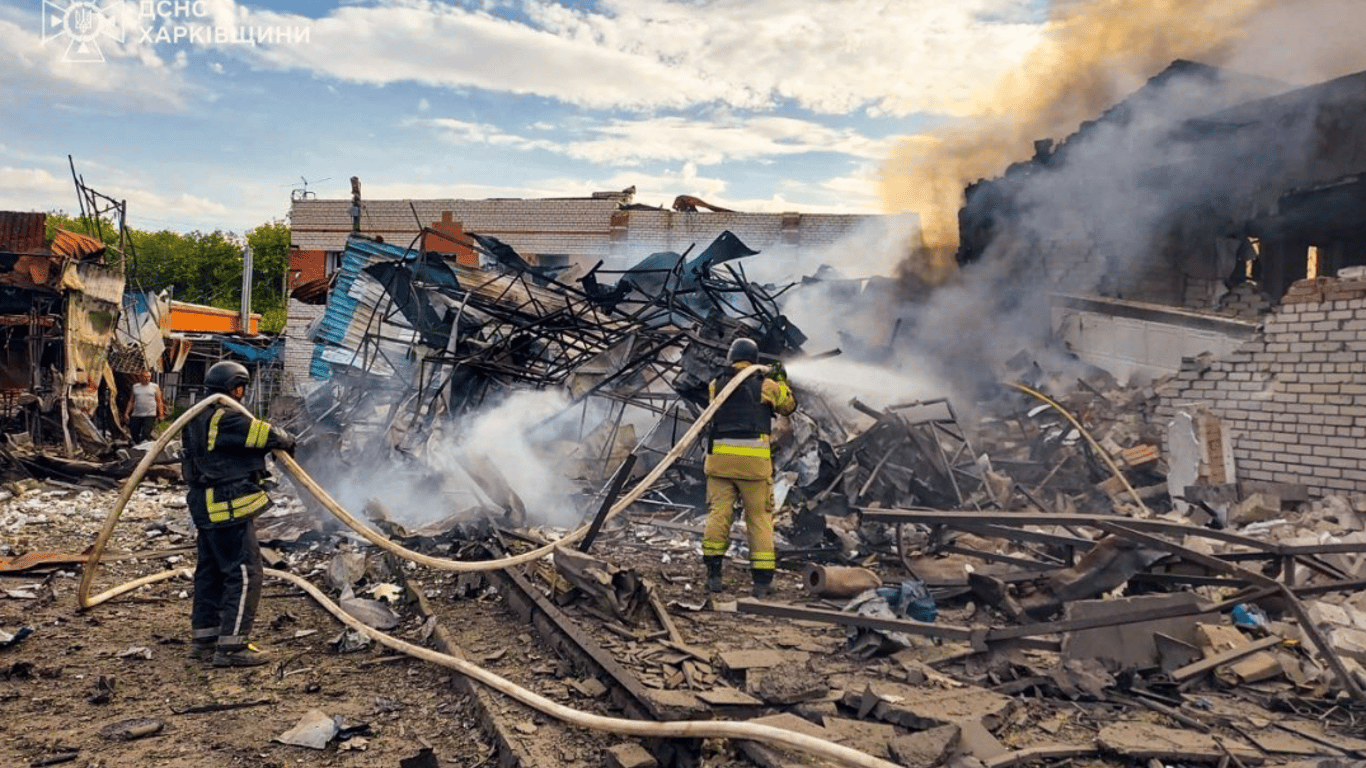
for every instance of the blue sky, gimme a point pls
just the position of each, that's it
(761, 105)
(755, 105)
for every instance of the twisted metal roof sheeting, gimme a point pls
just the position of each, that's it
(22, 232)
(74, 245)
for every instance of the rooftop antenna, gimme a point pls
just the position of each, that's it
(304, 193)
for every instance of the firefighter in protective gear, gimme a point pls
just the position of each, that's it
(739, 465)
(224, 463)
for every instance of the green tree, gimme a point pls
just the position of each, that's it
(200, 267)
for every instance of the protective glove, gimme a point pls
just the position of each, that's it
(287, 441)
(777, 372)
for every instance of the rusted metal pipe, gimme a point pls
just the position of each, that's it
(840, 581)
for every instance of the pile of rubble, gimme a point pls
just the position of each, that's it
(1060, 577)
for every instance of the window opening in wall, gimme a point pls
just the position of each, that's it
(332, 262)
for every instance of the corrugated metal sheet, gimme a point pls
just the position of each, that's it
(37, 266)
(74, 245)
(351, 313)
(94, 280)
(27, 271)
(22, 232)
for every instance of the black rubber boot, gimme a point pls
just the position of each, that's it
(244, 656)
(763, 582)
(203, 650)
(713, 563)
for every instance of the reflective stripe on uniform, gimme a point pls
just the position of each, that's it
(712, 548)
(737, 447)
(257, 434)
(737, 450)
(762, 561)
(213, 428)
(242, 506)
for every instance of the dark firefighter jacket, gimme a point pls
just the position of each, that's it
(738, 447)
(224, 463)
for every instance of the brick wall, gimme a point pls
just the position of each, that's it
(585, 229)
(306, 266)
(576, 226)
(298, 349)
(1294, 398)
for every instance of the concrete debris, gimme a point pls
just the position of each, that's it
(630, 755)
(929, 748)
(1073, 566)
(1132, 645)
(1144, 741)
(785, 686)
(314, 730)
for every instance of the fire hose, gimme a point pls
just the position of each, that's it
(696, 729)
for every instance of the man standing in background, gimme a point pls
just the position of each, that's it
(145, 408)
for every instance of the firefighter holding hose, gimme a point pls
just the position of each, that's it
(739, 465)
(224, 463)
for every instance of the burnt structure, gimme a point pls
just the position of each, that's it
(1198, 182)
(59, 301)
(410, 339)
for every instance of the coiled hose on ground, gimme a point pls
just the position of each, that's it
(696, 729)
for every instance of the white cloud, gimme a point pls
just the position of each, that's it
(423, 105)
(402, 190)
(130, 76)
(852, 194)
(706, 141)
(831, 57)
(34, 189)
(47, 186)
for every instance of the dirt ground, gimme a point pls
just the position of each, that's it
(72, 689)
(70, 685)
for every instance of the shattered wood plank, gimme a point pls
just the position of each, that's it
(743, 660)
(729, 697)
(663, 614)
(1094, 622)
(762, 608)
(946, 631)
(1040, 753)
(534, 606)
(697, 653)
(1346, 744)
(919, 708)
(955, 518)
(510, 748)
